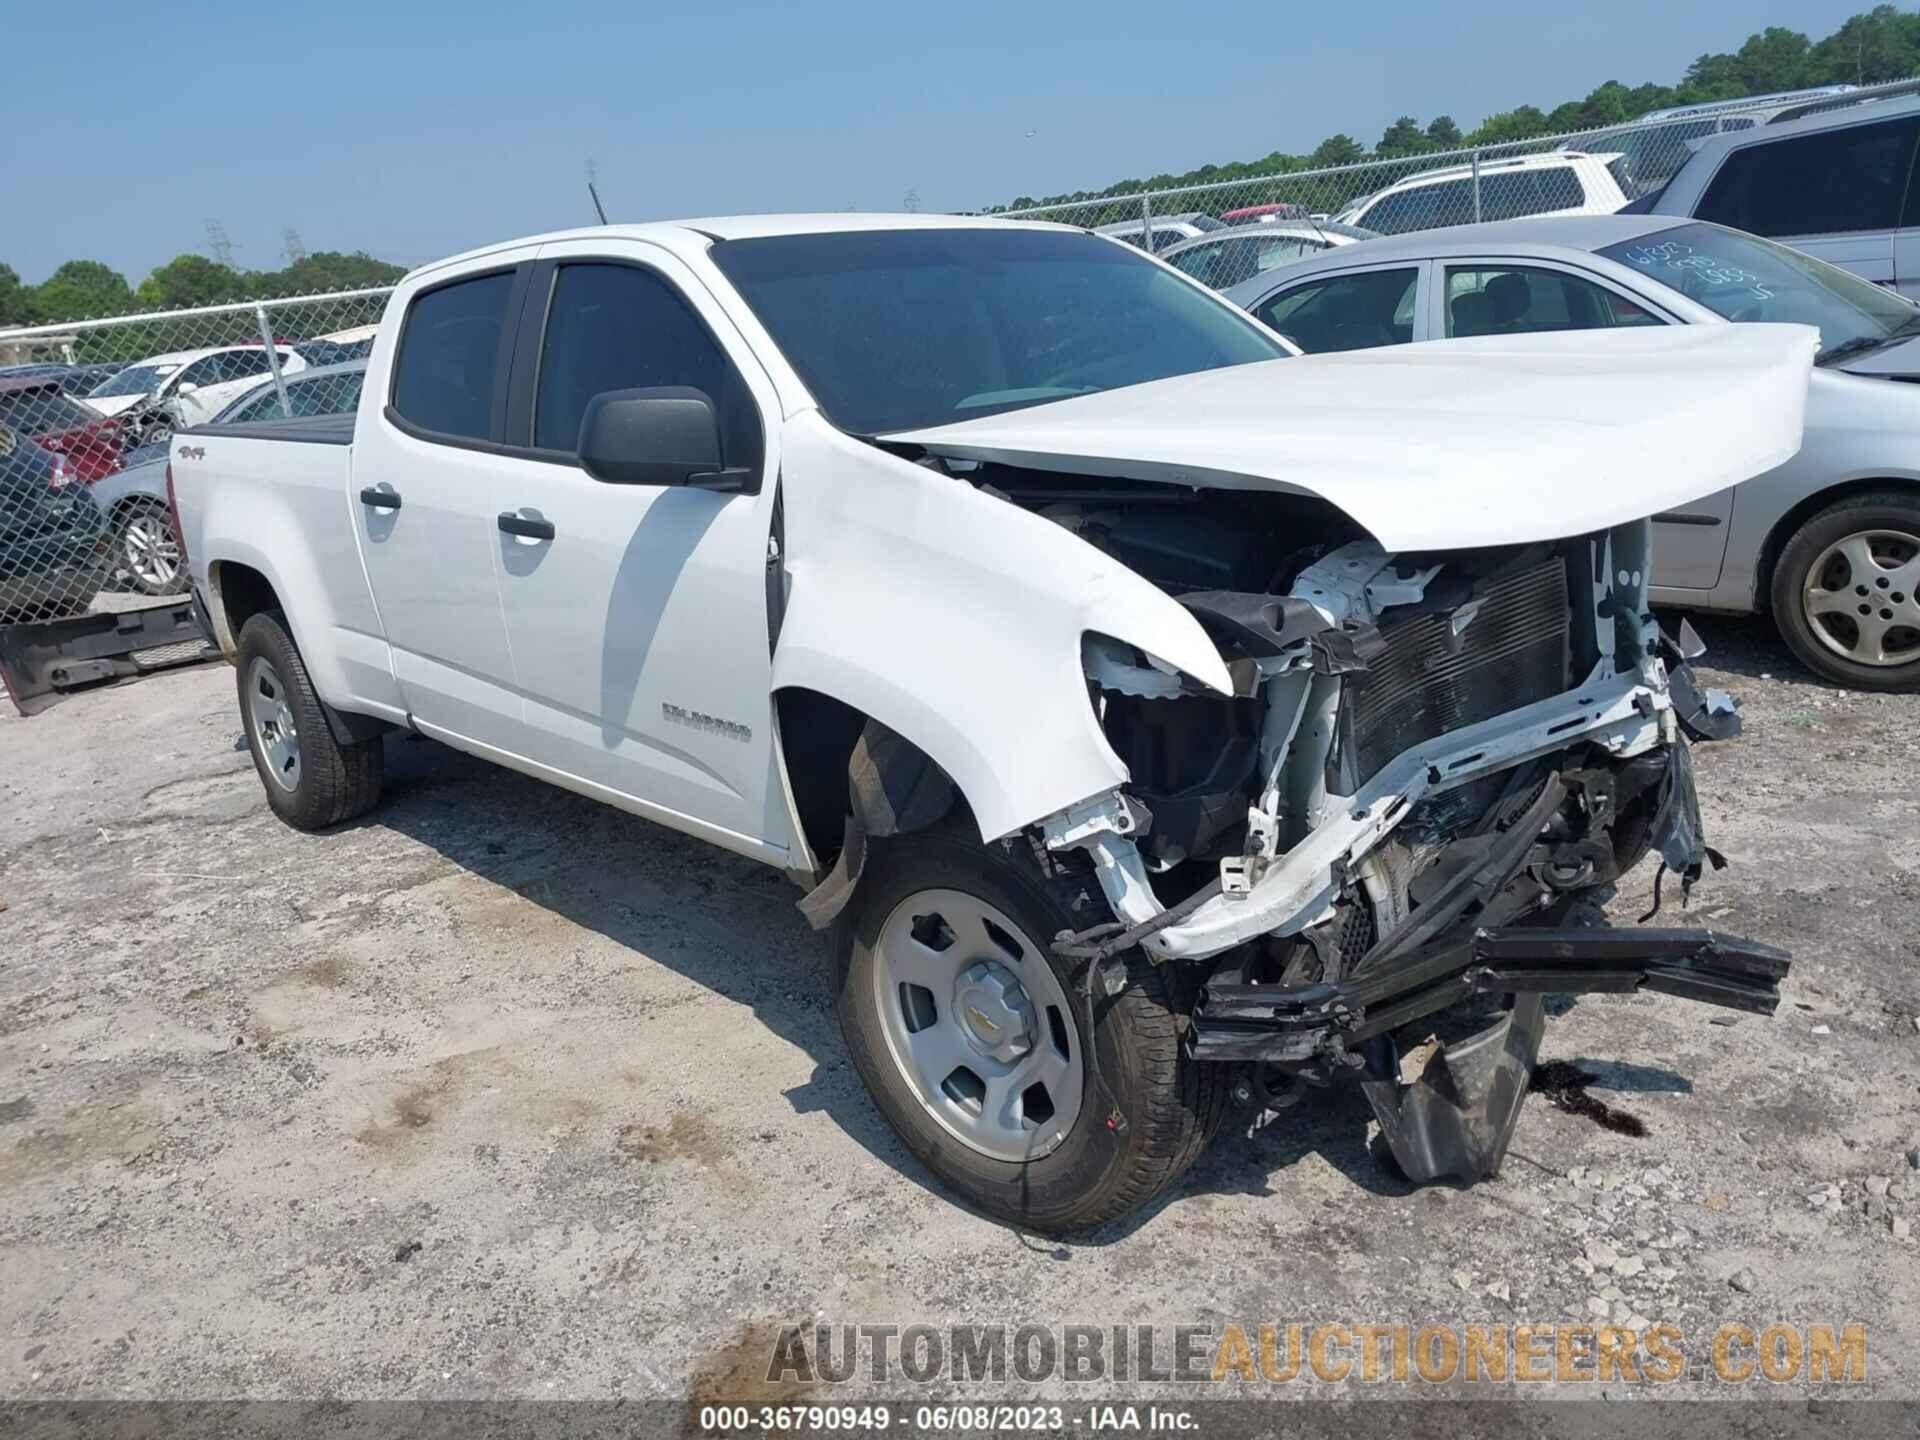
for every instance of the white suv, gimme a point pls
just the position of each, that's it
(1556, 182)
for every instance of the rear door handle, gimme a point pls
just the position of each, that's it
(376, 499)
(514, 524)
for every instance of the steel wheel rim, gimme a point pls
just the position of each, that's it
(150, 552)
(1859, 597)
(978, 1025)
(270, 718)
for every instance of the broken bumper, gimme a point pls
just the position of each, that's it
(1455, 1115)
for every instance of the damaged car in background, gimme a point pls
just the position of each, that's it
(1157, 721)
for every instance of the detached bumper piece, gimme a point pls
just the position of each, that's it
(1449, 1110)
(42, 660)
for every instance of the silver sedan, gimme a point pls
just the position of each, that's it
(1829, 542)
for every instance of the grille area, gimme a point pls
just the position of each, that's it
(1429, 680)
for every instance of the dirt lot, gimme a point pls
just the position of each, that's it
(501, 1093)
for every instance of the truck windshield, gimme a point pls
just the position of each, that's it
(902, 329)
(1743, 277)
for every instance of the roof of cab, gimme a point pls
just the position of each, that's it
(677, 234)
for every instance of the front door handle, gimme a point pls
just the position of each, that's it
(377, 499)
(514, 524)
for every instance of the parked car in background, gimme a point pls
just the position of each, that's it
(1835, 184)
(1655, 146)
(134, 499)
(1277, 210)
(1167, 229)
(36, 407)
(1828, 543)
(1227, 257)
(154, 397)
(72, 379)
(1554, 182)
(53, 548)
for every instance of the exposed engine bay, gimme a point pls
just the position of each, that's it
(1420, 752)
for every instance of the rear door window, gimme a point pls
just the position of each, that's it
(1346, 312)
(1831, 182)
(449, 361)
(1525, 300)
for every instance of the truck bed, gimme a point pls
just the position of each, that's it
(304, 430)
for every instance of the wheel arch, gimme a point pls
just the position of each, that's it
(820, 736)
(1803, 510)
(240, 591)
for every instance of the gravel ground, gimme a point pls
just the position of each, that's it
(502, 1093)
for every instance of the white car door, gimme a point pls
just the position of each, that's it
(637, 614)
(425, 472)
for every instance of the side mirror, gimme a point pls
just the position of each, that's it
(187, 387)
(661, 435)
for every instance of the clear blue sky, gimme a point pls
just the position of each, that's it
(416, 128)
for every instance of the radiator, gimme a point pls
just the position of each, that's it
(1430, 679)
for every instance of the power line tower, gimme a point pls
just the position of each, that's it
(911, 202)
(294, 248)
(218, 245)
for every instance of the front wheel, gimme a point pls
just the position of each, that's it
(974, 1037)
(311, 779)
(1844, 592)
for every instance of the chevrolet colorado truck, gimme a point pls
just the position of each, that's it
(1161, 722)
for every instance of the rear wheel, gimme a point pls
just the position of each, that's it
(1845, 592)
(311, 779)
(144, 546)
(974, 1037)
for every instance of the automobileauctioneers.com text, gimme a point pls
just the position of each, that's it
(1230, 1358)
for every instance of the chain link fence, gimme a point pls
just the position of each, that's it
(87, 411)
(1227, 231)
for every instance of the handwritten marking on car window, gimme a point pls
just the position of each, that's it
(1676, 256)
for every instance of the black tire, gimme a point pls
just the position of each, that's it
(335, 782)
(145, 512)
(1168, 1106)
(1878, 511)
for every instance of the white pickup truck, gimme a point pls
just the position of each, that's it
(1158, 719)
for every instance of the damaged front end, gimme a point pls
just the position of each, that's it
(1424, 761)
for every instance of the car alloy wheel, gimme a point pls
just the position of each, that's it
(1860, 600)
(150, 553)
(978, 1025)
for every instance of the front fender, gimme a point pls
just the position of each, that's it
(956, 619)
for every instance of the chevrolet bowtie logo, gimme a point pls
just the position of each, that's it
(981, 1020)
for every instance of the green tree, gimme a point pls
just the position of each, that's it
(1403, 137)
(1713, 77)
(189, 280)
(1521, 123)
(1775, 59)
(81, 289)
(1443, 133)
(1339, 149)
(16, 300)
(1882, 44)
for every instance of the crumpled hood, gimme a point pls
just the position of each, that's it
(110, 404)
(1450, 444)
